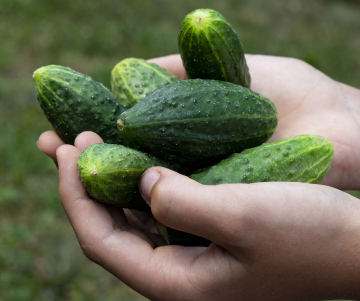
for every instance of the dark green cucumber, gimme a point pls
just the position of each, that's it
(198, 122)
(110, 174)
(304, 158)
(74, 103)
(210, 48)
(132, 79)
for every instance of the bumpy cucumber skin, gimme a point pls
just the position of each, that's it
(110, 174)
(304, 158)
(74, 103)
(197, 122)
(133, 78)
(210, 48)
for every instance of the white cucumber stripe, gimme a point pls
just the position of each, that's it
(184, 34)
(216, 53)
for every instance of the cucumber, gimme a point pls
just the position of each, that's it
(110, 174)
(133, 78)
(197, 122)
(304, 158)
(210, 48)
(74, 103)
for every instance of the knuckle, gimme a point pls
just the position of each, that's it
(88, 251)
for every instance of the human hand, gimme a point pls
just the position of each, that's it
(308, 102)
(278, 241)
(271, 241)
(49, 142)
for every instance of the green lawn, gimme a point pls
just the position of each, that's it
(39, 255)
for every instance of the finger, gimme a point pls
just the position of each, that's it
(72, 191)
(183, 204)
(172, 63)
(146, 225)
(133, 220)
(141, 220)
(126, 255)
(73, 194)
(142, 216)
(84, 140)
(87, 138)
(48, 143)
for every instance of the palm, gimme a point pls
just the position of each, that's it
(309, 102)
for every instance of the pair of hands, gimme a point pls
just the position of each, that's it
(271, 241)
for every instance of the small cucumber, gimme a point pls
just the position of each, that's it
(110, 174)
(132, 79)
(74, 103)
(197, 122)
(210, 48)
(304, 158)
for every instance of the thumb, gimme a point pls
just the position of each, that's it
(185, 205)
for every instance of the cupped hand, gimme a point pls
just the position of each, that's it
(308, 102)
(49, 142)
(271, 241)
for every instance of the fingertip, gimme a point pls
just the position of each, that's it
(48, 143)
(84, 139)
(69, 178)
(65, 151)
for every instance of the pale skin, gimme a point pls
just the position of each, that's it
(271, 241)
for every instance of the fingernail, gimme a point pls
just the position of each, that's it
(147, 182)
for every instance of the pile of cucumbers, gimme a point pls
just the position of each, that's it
(211, 127)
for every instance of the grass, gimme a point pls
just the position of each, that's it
(39, 256)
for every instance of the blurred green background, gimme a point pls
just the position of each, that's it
(39, 255)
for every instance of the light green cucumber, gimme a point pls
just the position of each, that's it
(304, 158)
(110, 174)
(133, 78)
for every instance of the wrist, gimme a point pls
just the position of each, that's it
(351, 97)
(345, 138)
(352, 101)
(342, 271)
